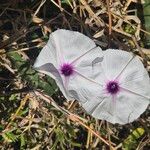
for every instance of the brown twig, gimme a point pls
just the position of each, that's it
(72, 117)
(110, 22)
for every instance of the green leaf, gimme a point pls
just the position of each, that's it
(131, 141)
(65, 1)
(9, 137)
(30, 75)
(13, 97)
(76, 144)
(22, 141)
(129, 29)
(146, 11)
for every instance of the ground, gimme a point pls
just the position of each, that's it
(33, 112)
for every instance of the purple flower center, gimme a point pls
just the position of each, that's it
(112, 87)
(66, 69)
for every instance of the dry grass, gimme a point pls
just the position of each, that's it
(33, 113)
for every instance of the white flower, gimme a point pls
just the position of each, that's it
(68, 58)
(125, 88)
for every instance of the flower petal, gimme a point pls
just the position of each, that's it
(83, 88)
(47, 55)
(66, 46)
(125, 108)
(135, 78)
(104, 108)
(114, 62)
(51, 71)
(90, 64)
(133, 97)
(83, 85)
(71, 44)
(129, 107)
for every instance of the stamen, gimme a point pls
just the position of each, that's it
(112, 87)
(66, 69)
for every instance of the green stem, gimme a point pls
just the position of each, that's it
(146, 11)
